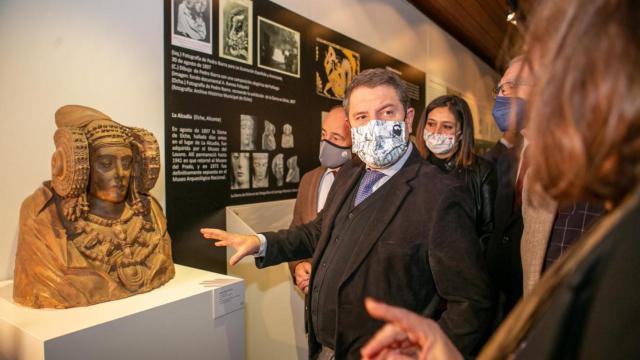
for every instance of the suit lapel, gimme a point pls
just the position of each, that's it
(312, 209)
(506, 169)
(396, 190)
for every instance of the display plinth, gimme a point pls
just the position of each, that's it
(197, 315)
(275, 309)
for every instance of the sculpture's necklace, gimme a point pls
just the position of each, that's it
(126, 216)
(119, 247)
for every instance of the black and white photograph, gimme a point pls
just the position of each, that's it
(260, 164)
(277, 169)
(191, 25)
(279, 48)
(335, 67)
(240, 173)
(269, 136)
(293, 171)
(247, 132)
(236, 30)
(287, 136)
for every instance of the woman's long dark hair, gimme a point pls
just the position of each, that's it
(464, 157)
(585, 112)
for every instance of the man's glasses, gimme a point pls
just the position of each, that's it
(507, 86)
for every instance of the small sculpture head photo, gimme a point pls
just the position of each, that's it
(287, 136)
(293, 174)
(269, 136)
(247, 132)
(240, 171)
(260, 164)
(277, 169)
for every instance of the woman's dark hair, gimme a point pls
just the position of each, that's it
(585, 111)
(464, 157)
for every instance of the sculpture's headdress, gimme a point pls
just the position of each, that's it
(81, 127)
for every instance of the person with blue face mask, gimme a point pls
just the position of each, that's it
(503, 248)
(510, 95)
(394, 227)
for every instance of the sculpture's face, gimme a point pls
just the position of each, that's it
(240, 165)
(110, 173)
(260, 165)
(246, 131)
(278, 167)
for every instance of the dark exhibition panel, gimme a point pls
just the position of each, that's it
(246, 87)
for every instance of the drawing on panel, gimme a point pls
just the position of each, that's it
(335, 67)
(236, 30)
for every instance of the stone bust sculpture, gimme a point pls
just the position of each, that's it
(93, 233)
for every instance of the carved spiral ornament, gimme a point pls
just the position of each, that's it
(70, 162)
(147, 153)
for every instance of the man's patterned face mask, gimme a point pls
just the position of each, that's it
(379, 143)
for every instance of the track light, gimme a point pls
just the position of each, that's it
(511, 17)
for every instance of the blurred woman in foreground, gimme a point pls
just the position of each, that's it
(585, 129)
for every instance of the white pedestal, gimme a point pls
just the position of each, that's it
(197, 315)
(274, 308)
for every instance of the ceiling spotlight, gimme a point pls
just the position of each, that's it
(511, 17)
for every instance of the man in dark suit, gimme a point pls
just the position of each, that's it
(394, 228)
(335, 151)
(503, 250)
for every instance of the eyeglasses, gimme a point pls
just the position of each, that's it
(507, 86)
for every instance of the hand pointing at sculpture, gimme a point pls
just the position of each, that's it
(243, 244)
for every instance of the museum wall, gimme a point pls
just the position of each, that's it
(108, 55)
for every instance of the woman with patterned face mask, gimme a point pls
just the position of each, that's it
(446, 129)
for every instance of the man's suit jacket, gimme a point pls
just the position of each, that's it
(419, 243)
(538, 217)
(503, 250)
(495, 152)
(306, 207)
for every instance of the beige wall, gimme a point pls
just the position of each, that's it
(108, 55)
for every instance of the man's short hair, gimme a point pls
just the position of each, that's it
(372, 78)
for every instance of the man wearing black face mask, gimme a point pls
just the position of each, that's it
(335, 150)
(503, 250)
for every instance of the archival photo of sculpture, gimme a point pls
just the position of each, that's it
(93, 233)
(240, 173)
(248, 132)
(191, 25)
(277, 169)
(260, 164)
(293, 172)
(279, 48)
(335, 67)
(236, 30)
(287, 141)
(269, 136)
